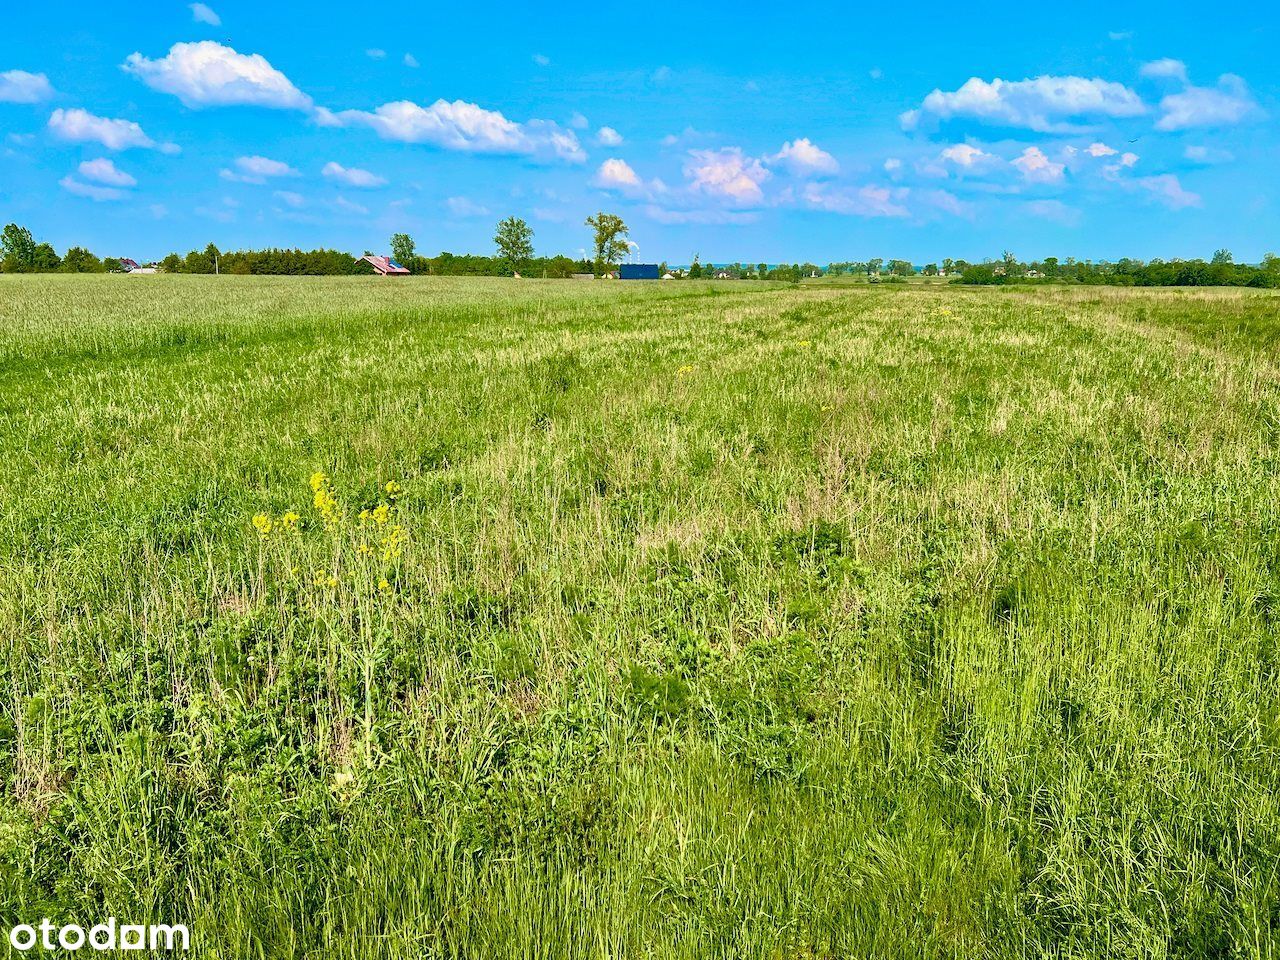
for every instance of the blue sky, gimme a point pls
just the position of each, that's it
(761, 132)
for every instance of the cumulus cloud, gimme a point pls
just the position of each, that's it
(1168, 190)
(867, 201)
(18, 86)
(352, 176)
(616, 174)
(1227, 103)
(967, 156)
(208, 74)
(578, 121)
(201, 13)
(805, 158)
(290, 199)
(81, 126)
(1099, 149)
(1036, 167)
(90, 190)
(466, 207)
(542, 60)
(257, 170)
(727, 174)
(608, 137)
(463, 126)
(411, 61)
(1165, 69)
(105, 172)
(1045, 104)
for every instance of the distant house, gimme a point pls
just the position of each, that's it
(582, 276)
(668, 276)
(142, 271)
(609, 275)
(638, 271)
(385, 266)
(127, 265)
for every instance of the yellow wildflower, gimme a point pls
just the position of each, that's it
(687, 368)
(263, 522)
(381, 512)
(289, 520)
(392, 488)
(365, 550)
(384, 586)
(319, 481)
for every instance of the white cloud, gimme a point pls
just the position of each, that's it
(92, 191)
(542, 60)
(1099, 149)
(374, 53)
(892, 165)
(947, 202)
(868, 201)
(411, 61)
(608, 137)
(201, 13)
(1045, 104)
(803, 157)
(1120, 35)
(1208, 155)
(347, 206)
(1165, 69)
(105, 172)
(290, 199)
(1228, 103)
(18, 86)
(352, 176)
(616, 174)
(463, 126)
(1168, 190)
(466, 207)
(1038, 168)
(81, 126)
(578, 121)
(727, 174)
(257, 170)
(208, 74)
(967, 156)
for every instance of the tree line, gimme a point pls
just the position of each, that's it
(514, 254)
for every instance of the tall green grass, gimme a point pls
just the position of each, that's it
(729, 620)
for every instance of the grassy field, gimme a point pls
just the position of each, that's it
(461, 618)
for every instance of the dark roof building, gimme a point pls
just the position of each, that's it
(638, 271)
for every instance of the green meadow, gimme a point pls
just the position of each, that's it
(453, 618)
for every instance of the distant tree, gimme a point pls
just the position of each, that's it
(695, 269)
(112, 264)
(46, 259)
(172, 264)
(610, 238)
(402, 248)
(930, 269)
(761, 270)
(17, 249)
(1271, 263)
(1222, 256)
(873, 266)
(901, 268)
(515, 242)
(80, 260)
(1012, 268)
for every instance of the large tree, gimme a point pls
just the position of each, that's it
(402, 248)
(610, 239)
(515, 242)
(17, 249)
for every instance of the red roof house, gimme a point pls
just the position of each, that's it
(385, 266)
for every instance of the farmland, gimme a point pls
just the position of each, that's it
(481, 618)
